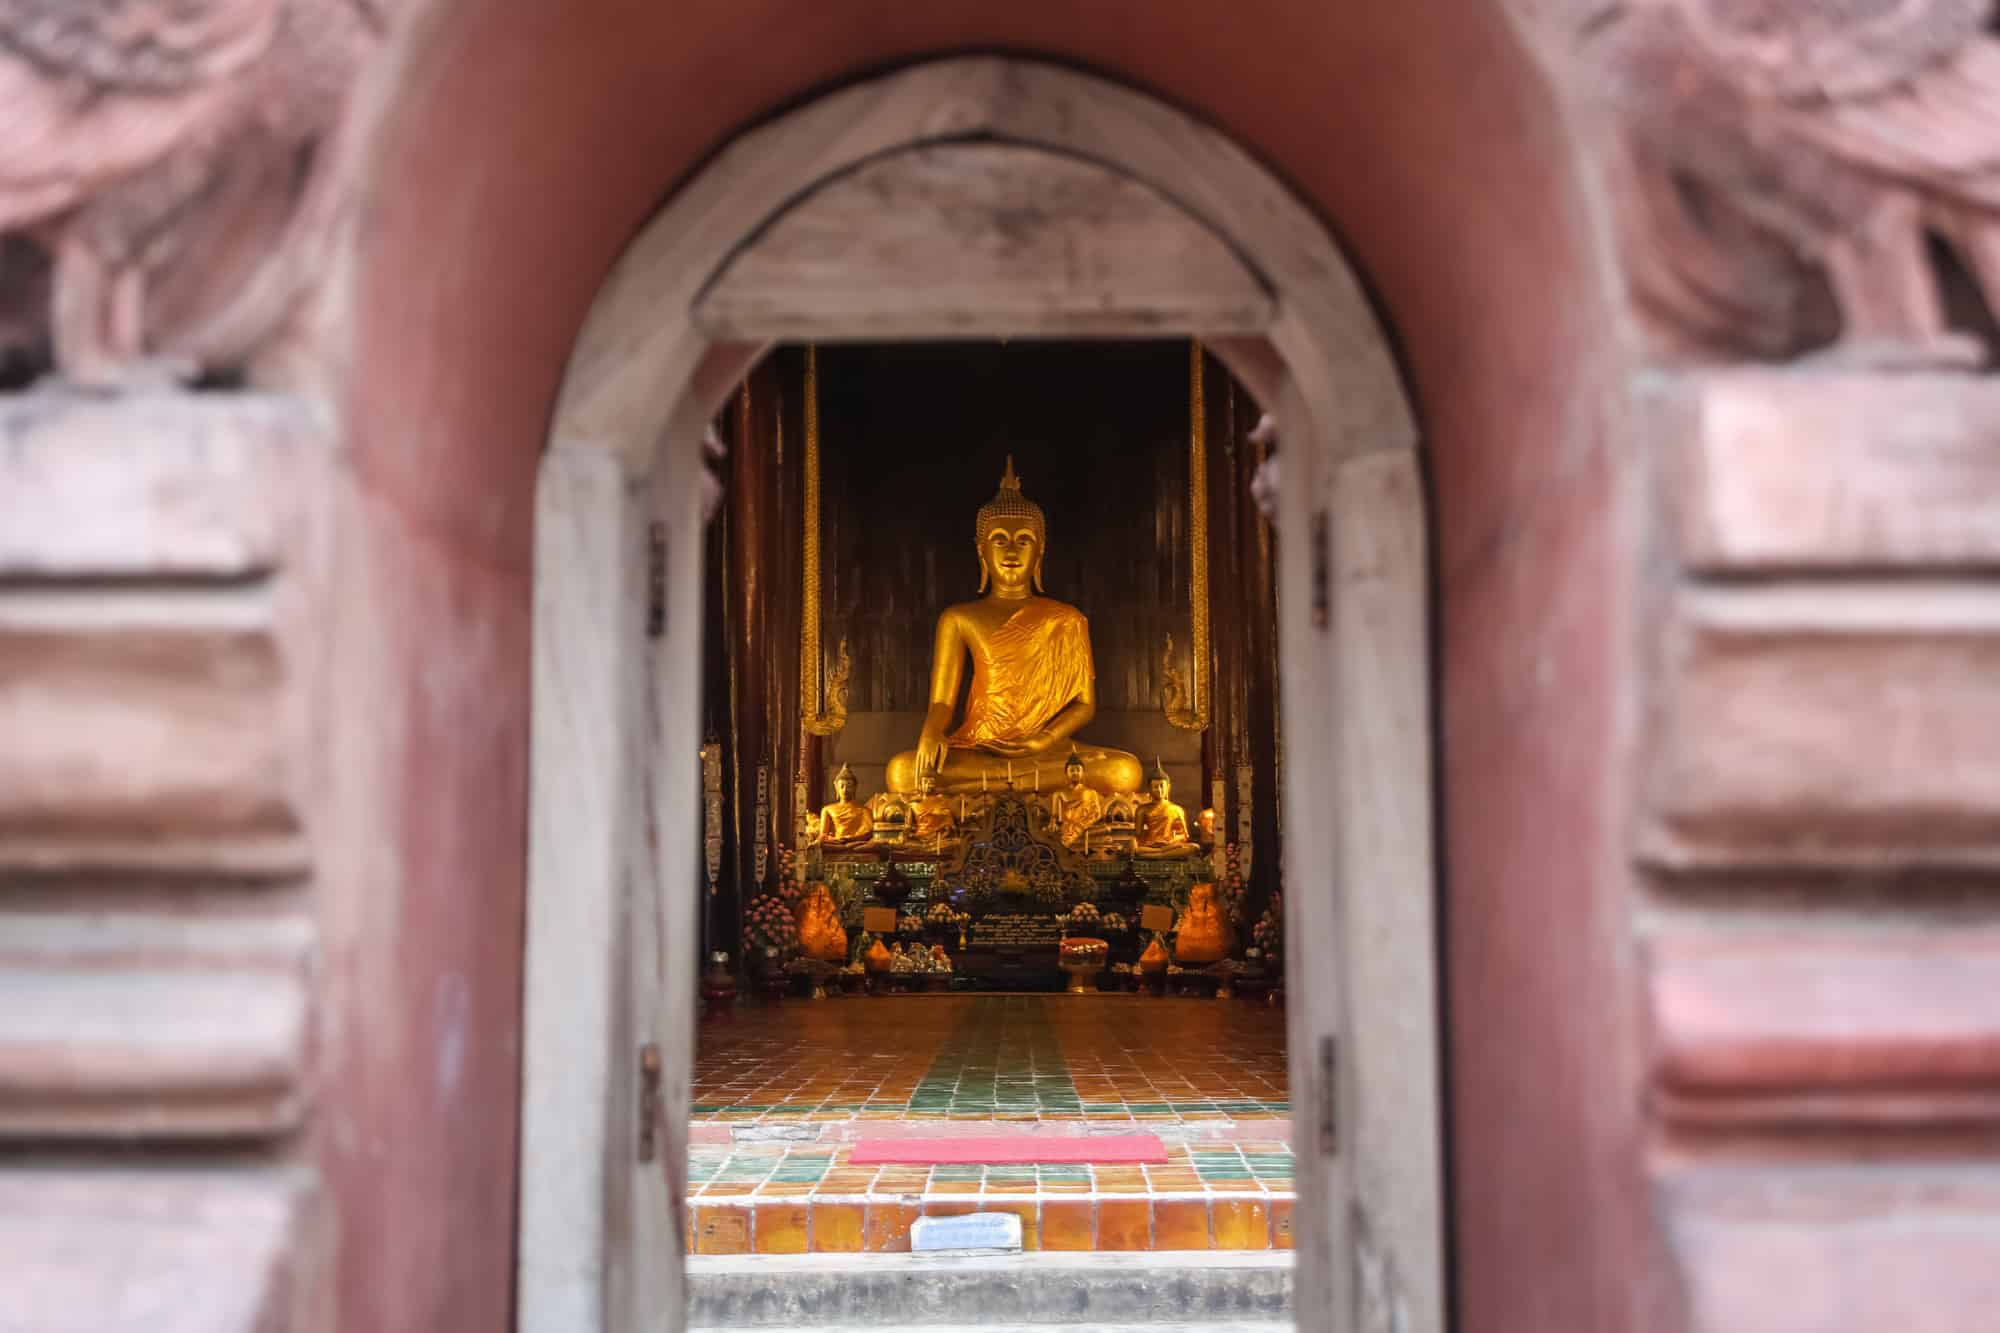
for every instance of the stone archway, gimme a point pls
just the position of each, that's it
(1033, 201)
(517, 150)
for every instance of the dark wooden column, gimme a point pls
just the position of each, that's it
(783, 592)
(1225, 747)
(1257, 596)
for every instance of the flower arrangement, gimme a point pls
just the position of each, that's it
(909, 923)
(769, 922)
(791, 885)
(1114, 923)
(1269, 932)
(1084, 917)
(943, 916)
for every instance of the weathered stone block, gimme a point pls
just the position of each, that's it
(162, 1251)
(1815, 470)
(1807, 1028)
(1838, 726)
(1836, 1248)
(152, 1027)
(167, 485)
(146, 729)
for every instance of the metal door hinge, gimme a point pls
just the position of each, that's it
(1329, 1097)
(649, 1100)
(656, 580)
(1322, 569)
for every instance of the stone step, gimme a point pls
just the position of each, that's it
(1250, 1291)
(1170, 1326)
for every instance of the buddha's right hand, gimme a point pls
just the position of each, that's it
(931, 751)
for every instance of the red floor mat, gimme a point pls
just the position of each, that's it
(1006, 1149)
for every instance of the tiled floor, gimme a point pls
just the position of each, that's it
(1002, 1057)
(1207, 1076)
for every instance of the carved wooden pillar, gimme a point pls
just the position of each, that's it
(753, 423)
(721, 909)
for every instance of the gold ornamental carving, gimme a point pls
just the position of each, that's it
(1185, 701)
(711, 812)
(812, 669)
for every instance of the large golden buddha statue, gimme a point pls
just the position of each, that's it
(1033, 683)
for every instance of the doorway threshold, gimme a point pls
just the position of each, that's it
(916, 1291)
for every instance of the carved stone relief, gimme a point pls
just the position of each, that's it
(1791, 177)
(165, 193)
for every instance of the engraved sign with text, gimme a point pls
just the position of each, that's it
(1015, 930)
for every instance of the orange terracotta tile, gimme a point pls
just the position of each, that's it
(1181, 1224)
(838, 1228)
(783, 1228)
(722, 1231)
(1240, 1224)
(950, 1209)
(888, 1227)
(1069, 1224)
(1281, 1224)
(1124, 1224)
(1029, 1211)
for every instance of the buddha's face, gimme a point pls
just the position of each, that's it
(926, 783)
(1074, 772)
(1012, 557)
(1162, 789)
(843, 787)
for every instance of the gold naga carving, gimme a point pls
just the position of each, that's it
(812, 669)
(1187, 705)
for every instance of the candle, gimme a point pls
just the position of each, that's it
(1010, 775)
(982, 779)
(1038, 775)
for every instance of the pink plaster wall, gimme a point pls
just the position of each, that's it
(531, 140)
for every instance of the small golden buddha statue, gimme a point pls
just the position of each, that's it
(821, 935)
(845, 824)
(1033, 684)
(1163, 826)
(1077, 807)
(1200, 935)
(933, 820)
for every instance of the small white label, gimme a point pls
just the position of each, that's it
(972, 1231)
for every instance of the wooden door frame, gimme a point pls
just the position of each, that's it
(611, 919)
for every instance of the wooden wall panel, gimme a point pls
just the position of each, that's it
(913, 440)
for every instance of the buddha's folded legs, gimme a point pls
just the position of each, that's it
(1106, 770)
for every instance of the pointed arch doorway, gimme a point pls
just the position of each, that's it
(1024, 200)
